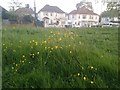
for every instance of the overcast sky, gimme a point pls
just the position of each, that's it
(65, 5)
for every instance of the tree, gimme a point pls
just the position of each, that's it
(112, 10)
(14, 4)
(87, 4)
(112, 6)
(27, 19)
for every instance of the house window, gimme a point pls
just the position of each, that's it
(91, 17)
(79, 23)
(51, 14)
(96, 17)
(51, 22)
(84, 17)
(46, 13)
(73, 16)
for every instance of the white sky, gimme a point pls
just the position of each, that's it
(65, 5)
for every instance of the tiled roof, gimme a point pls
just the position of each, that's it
(49, 8)
(24, 11)
(83, 10)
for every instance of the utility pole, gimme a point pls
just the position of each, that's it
(35, 21)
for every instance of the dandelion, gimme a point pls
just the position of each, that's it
(91, 82)
(91, 67)
(80, 43)
(56, 47)
(38, 52)
(23, 56)
(45, 47)
(12, 67)
(61, 47)
(51, 48)
(78, 74)
(70, 51)
(23, 61)
(45, 41)
(14, 50)
(82, 68)
(36, 43)
(51, 32)
(16, 65)
(84, 78)
(58, 33)
(60, 39)
(33, 40)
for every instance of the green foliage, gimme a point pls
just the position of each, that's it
(27, 19)
(60, 58)
(111, 13)
(112, 10)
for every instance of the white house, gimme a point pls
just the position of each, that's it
(82, 17)
(52, 16)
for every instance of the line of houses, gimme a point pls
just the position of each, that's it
(53, 16)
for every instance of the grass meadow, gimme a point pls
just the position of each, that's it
(60, 58)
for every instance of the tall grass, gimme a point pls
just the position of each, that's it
(60, 58)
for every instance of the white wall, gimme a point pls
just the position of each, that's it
(53, 17)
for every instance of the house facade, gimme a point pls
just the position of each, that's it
(82, 17)
(52, 16)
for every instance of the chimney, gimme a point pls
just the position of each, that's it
(27, 5)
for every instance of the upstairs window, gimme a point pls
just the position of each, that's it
(46, 13)
(51, 14)
(84, 17)
(91, 17)
(73, 16)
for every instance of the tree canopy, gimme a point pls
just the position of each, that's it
(112, 10)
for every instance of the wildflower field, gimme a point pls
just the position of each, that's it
(60, 58)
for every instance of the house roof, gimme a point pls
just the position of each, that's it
(24, 11)
(83, 10)
(3, 9)
(49, 8)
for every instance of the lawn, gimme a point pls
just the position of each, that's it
(60, 58)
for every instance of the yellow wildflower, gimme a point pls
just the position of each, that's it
(70, 51)
(45, 41)
(91, 67)
(38, 52)
(56, 47)
(33, 40)
(91, 82)
(84, 78)
(23, 61)
(16, 65)
(78, 74)
(12, 67)
(51, 48)
(36, 43)
(60, 39)
(23, 56)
